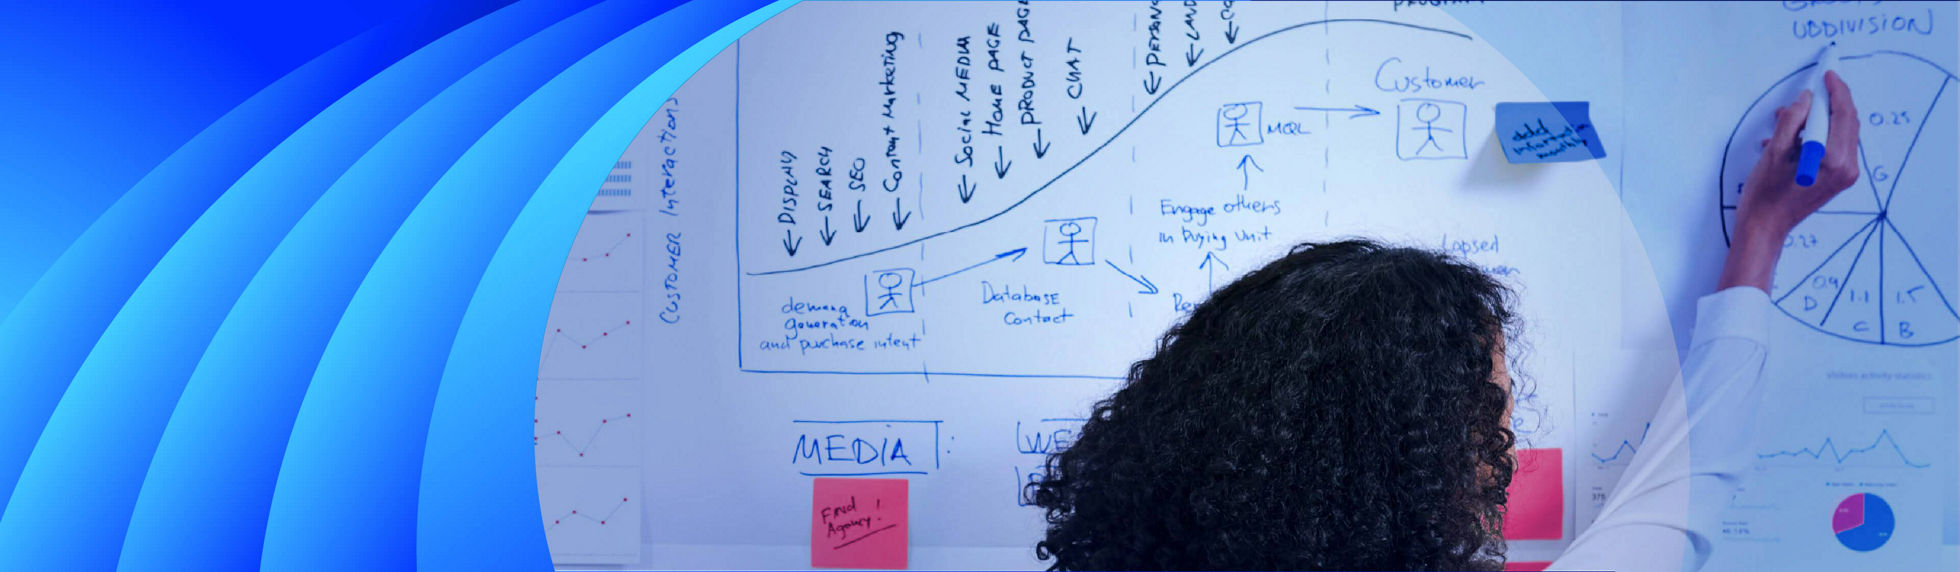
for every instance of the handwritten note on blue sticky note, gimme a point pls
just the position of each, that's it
(1548, 132)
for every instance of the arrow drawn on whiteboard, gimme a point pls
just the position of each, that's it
(1039, 149)
(858, 222)
(1150, 85)
(1001, 164)
(1192, 53)
(1210, 265)
(791, 245)
(1015, 254)
(898, 205)
(966, 190)
(1085, 120)
(1231, 32)
(1357, 111)
(826, 234)
(1107, 142)
(1248, 174)
(1148, 288)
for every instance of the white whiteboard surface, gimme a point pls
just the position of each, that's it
(972, 310)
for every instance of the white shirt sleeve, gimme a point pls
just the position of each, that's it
(1662, 513)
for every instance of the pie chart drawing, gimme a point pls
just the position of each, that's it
(1877, 264)
(1862, 522)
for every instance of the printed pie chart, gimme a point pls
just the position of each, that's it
(1863, 522)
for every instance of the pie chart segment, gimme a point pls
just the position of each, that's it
(1812, 300)
(1917, 309)
(1894, 116)
(1808, 249)
(1854, 310)
(1863, 522)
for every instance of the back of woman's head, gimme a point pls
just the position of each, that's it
(1333, 410)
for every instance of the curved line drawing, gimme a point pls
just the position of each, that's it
(1112, 138)
(1724, 167)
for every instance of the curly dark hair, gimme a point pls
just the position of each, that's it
(1333, 410)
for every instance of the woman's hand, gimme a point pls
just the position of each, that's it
(1773, 203)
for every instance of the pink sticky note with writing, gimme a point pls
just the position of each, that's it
(1526, 566)
(1537, 507)
(859, 523)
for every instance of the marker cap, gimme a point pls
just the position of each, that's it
(1808, 161)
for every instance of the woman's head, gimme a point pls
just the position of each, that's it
(1340, 408)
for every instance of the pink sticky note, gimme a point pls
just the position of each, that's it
(859, 523)
(1526, 566)
(1537, 507)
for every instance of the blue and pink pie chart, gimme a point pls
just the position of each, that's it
(1863, 522)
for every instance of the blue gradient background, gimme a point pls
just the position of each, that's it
(272, 277)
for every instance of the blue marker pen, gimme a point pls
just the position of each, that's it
(1817, 128)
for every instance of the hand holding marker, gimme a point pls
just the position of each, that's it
(1818, 129)
(1792, 179)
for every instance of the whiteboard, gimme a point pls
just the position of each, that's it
(840, 233)
(1863, 365)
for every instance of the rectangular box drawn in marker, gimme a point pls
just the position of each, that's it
(866, 447)
(1430, 129)
(889, 291)
(1238, 124)
(1069, 241)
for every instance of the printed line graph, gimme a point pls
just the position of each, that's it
(1876, 264)
(591, 515)
(585, 341)
(581, 445)
(587, 423)
(592, 335)
(596, 518)
(1828, 451)
(608, 254)
(1627, 448)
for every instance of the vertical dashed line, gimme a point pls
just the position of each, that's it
(1327, 86)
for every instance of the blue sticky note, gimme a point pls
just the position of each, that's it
(1548, 132)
